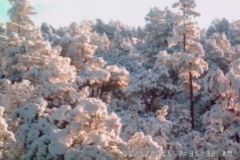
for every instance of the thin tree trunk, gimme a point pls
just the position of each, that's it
(191, 100)
(18, 26)
(18, 30)
(184, 42)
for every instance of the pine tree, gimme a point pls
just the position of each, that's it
(188, 35)
(187, 29)
(20, 16)
(159, 28)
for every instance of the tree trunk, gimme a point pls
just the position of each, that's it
(184, 24)
(184, 42)
(191, 99)
(18, 26)
(18, 30)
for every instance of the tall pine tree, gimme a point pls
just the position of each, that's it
(187, 34)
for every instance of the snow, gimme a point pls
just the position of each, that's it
(108, 91)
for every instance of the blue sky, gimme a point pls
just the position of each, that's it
(132, 12)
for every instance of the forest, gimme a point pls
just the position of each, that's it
(99, 90)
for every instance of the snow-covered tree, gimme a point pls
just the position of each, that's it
(187, 32)
(223, 26)
(108, 91)
(219, 26)
(159, 29)
(191, 62)
(148, 88)
(188, 35)
(234, 32)
(20, 16)
(219, 52)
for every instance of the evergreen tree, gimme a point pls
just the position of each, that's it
(159, 28)
(191, 65)
(187, 32)
(20, 16)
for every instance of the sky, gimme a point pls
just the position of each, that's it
(131, 12)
